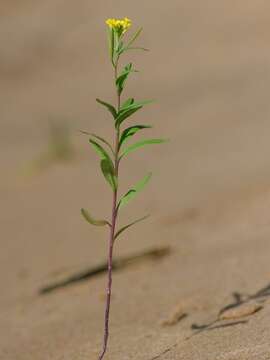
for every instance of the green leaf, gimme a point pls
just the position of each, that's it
(127, 133)
(129, 47)
(106, 164)
(103, 140)
(109, 173)
(125, 114)
(134, 38)
(140, 144)
(129, 225)
(110, 107)
(134, 104)
(120, 81)
(120, 47)
(127, 111)
(134, 191)
(93, 221)
(136, 48)
(100, 151)
(128, 102)
(98, 138)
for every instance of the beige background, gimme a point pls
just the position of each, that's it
(209, 70)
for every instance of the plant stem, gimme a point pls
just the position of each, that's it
(112, 233)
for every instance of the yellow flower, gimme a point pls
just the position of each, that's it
(120, 25)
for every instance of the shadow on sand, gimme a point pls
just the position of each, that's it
(153, 254)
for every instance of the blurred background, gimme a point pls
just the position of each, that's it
(209, 71)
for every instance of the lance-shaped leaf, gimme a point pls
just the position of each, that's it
(127, 133)
(120, 81)
(109, 173)
(125, 114)
(132, 40)
(106, 164)
(134, 191)
(100, 150)
(104, 141)
(134, 37)
(119, 47)
(134, 104)
(127, 103)
(110, 107)
(140, 144)
(119, 232)
(127, 111)
(98, 138)
(93, 221)
(136, 48)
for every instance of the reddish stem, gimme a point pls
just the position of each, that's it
(112, 234)
(109, 286)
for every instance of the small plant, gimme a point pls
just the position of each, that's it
(111, 156)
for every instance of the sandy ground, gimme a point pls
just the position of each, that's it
(209, 69)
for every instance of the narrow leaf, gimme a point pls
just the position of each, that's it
(136, 48)
(106, 164)
(120, 47)
(104, 141)
(128, 102)
(135, 104)
(129, 110)
(109, 173)
(119, 232)
(140, 144)
(93, 221)
(120, 81)
(110, 107)
(134, 191)
(98, 138)
(127, 133)
(100, 151)
(129, 47)
(135, 37)
(125, 114)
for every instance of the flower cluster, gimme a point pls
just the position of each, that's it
(119, 25)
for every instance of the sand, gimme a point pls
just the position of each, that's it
(209, 199)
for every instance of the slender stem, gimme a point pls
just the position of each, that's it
(112, 233)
